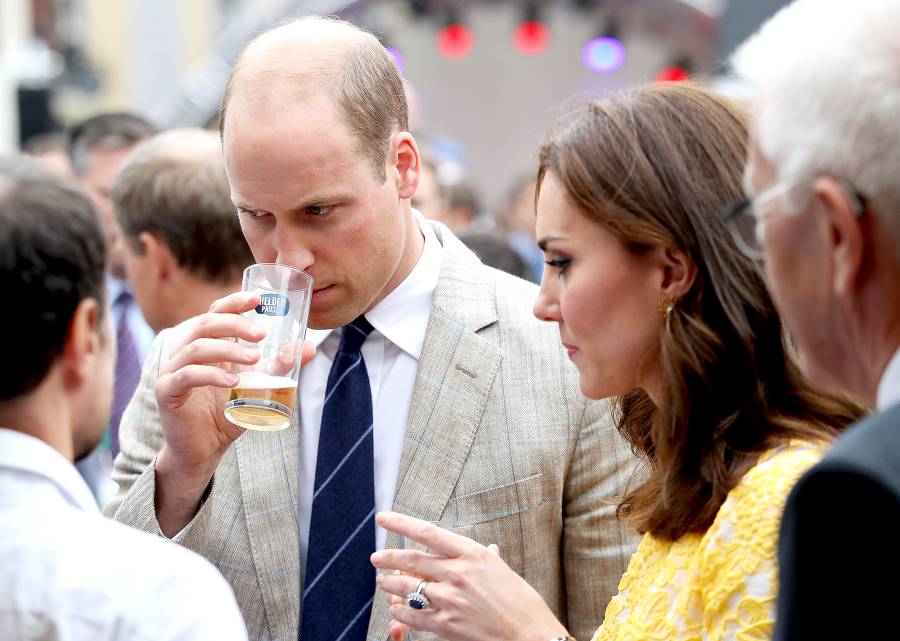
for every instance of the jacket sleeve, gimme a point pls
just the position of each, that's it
(596, 546)
(141, 439)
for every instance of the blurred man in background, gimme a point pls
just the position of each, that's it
(493, 250)
(428, 199)
(517, 220)
(183, 247)
(460, 207)
(65, 571)
(98, 148)
(824, 211)
(51, 151)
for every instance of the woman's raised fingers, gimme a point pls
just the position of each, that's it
(434, 538)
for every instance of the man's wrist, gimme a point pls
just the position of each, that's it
(180, 492)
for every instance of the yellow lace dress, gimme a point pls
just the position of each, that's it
(719, 586)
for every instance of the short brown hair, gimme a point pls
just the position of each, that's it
(368, 88)
(115, 130)
(52, 257)
(175, 188)
(656, 166)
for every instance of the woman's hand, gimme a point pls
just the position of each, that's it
(473, 595)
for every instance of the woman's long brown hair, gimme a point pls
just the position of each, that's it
(656, 166)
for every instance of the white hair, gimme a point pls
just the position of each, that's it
(828, 76)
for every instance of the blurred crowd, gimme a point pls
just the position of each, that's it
(660, 386)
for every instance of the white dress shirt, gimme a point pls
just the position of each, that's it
(889, 385)
(391, 353)
(68, 574)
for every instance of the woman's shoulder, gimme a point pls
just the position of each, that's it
(753, 508)
(777, 471)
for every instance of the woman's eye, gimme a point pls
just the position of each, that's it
(559, 264)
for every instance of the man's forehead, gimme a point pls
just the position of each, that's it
(301, 52)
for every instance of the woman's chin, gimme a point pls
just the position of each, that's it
(591, 389)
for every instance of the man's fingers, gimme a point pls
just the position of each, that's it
(179, 383)
(287, 357)
(236, 303)
(208, 351)
(309, 351)
(216, 326)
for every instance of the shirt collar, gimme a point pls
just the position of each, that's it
(115, 286)
(889, 386)
(402, 316)
(26, 453)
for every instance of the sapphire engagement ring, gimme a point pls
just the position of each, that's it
(417, 600)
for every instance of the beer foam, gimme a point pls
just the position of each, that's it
(252, 379)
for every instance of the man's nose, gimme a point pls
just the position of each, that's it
(293, 249)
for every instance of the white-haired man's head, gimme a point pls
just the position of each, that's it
(828, 76)
(824, 164)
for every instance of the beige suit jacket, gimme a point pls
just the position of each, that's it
(498, 434)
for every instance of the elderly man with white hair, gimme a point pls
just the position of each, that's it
(824, 213)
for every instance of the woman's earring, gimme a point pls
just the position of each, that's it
(666, 308)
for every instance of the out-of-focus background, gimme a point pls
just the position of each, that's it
(486, 77)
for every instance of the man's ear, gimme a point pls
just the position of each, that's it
(677, 272)
(83, 342)
(159, 257)
(406, 163)
(846, 232)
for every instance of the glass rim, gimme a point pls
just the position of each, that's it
(309, 286)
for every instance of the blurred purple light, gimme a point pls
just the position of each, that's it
(603, 55)
(398, 59)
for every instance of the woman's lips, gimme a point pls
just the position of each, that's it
(571, 349)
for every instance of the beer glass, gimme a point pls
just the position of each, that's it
(265, 397)
(457, 527)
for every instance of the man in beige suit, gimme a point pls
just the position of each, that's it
(473, 412)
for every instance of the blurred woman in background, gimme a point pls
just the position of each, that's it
(657, 306)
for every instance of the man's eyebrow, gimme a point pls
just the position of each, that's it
(325, 198)
(318, 199)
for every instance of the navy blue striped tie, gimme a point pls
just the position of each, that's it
(340, 581)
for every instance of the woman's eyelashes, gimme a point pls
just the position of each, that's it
(558, 263)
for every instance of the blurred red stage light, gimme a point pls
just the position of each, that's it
(455, 41)
(531, 37)
(673, 73)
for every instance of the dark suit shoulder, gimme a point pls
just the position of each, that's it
(869, 449)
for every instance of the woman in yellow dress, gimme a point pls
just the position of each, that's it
(657, 306)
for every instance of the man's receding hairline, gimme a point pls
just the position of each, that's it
(329, 55)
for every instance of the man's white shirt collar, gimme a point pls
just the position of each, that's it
(889, 386)
(402, 316)
(28, 454)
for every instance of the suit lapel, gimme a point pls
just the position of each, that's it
(456, 371)
(268, 468)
